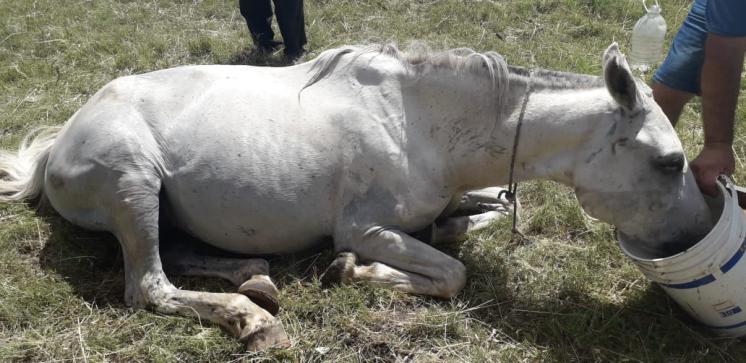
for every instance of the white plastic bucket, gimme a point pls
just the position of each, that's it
(708, 280)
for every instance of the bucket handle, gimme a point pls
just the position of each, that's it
(727, 182)
(729, 186)
(645, 5)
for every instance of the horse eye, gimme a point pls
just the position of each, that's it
(670, 164)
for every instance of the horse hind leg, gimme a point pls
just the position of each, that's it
(135, 223)
(251, 275)
(188, 262)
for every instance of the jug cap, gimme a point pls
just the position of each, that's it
(655, 9)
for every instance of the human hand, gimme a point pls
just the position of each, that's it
(714, 159)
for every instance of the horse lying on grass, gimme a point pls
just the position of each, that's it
(363, 145)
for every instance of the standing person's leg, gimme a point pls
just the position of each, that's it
(258, 15)
(677, 79)
(672, 101)
(292, 26)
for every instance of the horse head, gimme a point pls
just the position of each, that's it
(634, 173)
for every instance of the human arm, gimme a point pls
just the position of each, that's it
(721, 76)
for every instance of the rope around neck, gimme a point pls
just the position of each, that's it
(511, 194)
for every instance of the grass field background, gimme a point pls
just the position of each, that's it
(567, 295)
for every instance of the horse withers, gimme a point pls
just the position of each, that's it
(363, 145)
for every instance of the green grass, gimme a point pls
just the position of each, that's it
(567, 294)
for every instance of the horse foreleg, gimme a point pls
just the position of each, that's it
(456, 228)
(476, 210)
(396, 260)
(250, 274)
(481, 200)
(135, 223)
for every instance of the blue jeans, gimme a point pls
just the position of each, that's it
(682, 67)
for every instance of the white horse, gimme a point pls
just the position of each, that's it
(363, 145)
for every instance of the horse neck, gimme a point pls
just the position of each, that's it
(557, 125)
(473, 127)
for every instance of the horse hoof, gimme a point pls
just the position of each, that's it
(261, 291)
(265, 337)
(340, 271)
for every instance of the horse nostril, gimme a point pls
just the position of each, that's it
(670, 164)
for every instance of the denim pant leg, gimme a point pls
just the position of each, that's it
(682, 67)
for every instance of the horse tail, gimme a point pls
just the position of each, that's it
(22, 172)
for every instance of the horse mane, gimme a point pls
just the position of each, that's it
(418, 60)
(549, 79)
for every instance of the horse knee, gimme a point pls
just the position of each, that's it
(452, 281)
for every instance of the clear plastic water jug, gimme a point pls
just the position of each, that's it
(647, 38)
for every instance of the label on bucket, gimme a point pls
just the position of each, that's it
(726, 309)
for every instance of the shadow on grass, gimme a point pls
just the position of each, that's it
(256, 57)
(91, 262)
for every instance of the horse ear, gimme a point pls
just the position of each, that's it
(619, 79)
